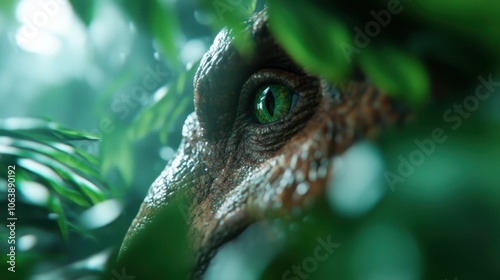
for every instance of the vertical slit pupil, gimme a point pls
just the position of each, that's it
(270, 103)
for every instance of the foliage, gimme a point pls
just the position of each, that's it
(390, 47)
(49, 175)
(42, 151)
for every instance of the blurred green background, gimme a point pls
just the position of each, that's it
(93, 95)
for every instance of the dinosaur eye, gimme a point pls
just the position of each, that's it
(273, 103)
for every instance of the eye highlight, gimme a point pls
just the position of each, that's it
(273, 103)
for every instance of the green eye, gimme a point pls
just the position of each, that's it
(273, 102)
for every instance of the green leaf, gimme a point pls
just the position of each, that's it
(165, 28)
(154, 115)
(50, 177)
(472, 20)
(181, 107)
(227, 13)
(396, 73)
(50, 134)
(56, 208)
(61, 152)
(232, 14)
(41, 164)
(41, 151)
(169, 104)
(7, 9)
(42, 128)
(116, 153)
(84, 9)
(313, 38)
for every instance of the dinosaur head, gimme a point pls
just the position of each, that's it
(261, 140)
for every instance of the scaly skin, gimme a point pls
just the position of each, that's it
(240, 171)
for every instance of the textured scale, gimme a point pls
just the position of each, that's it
(240, 172)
